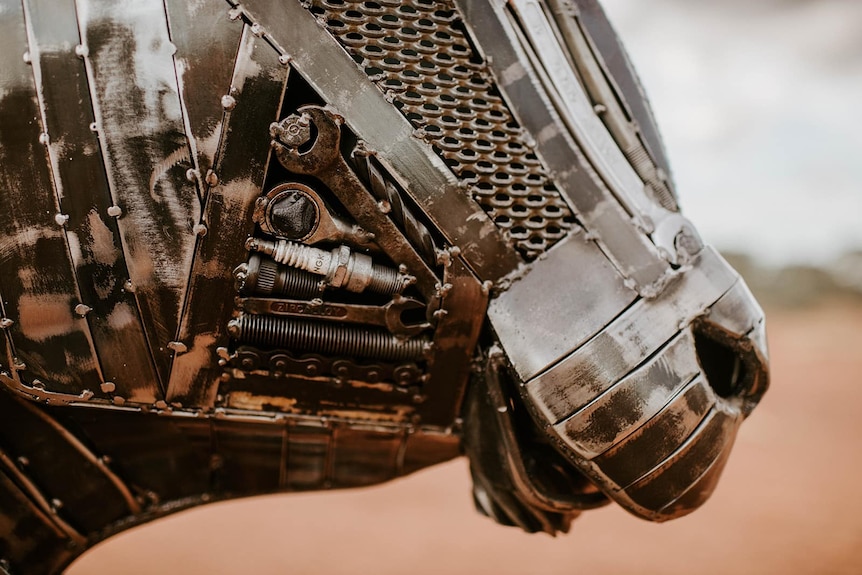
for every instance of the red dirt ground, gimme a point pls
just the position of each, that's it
(788, 502)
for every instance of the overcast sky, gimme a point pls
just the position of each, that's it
(759, 104)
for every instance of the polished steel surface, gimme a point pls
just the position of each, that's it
(283, 246)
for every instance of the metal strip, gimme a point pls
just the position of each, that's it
(577, 109)
(627, 247)
(320, 59)
(640, 395)
(207, 43)
(133, 85)
(84, 197)
(672, 478)
(455, 340)
(37, 279)
(255, 96)
(621, 75)
(8, 467)
(32, 542)
(656, 440)
(627, 341)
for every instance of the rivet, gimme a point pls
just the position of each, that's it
(161, 404)
(211, 178)
(94, 127)
(115, 211)
(228, 102)
(6, 323)
(284, 59)
(200, 230)
(81, 51)
(44, 139)
(61, 219)
(27, 59)
(177, 346)
(119, 400)
(257, 30)
(82, 309)
(108, 387)
(192, 175)
(129, 286)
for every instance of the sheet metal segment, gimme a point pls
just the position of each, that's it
(577, 110)
(207, 43)
(635, 399)
(431, 184)
(39, 299)
(84, 200)
(656, 439)
(133, 85)
(629, 248)
(682, 470)
(620, 73)
(562, 301)
(256, 92)
(631, 338)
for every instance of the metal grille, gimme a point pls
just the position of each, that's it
(417, 53)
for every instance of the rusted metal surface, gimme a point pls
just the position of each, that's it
(253, 100)
(133, 86)
(284, 246)
(50, 345)
(84, 199)
(430, 183)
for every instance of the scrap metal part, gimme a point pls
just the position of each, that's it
(302, 245)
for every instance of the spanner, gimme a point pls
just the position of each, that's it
(388, 316)
(324, 161)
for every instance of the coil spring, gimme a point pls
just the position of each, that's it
(383, 189)
(292, 334)
(265, 277)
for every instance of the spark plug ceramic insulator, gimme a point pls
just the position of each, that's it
(340, 267)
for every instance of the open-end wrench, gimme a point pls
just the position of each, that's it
(389, 316)
(322, 158)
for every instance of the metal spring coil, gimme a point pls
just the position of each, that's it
(293, 334)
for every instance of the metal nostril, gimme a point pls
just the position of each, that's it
(723, 365)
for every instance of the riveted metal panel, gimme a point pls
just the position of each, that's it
(50, 342)
(84, 198)
(256, 91)
(139, 120)
(207, 42)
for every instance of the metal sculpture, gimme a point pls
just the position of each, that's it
(278, 246)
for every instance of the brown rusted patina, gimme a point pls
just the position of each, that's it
(286, 246)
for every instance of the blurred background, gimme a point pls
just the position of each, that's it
(759, 103)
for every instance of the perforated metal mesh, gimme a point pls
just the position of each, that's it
(417, 52)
